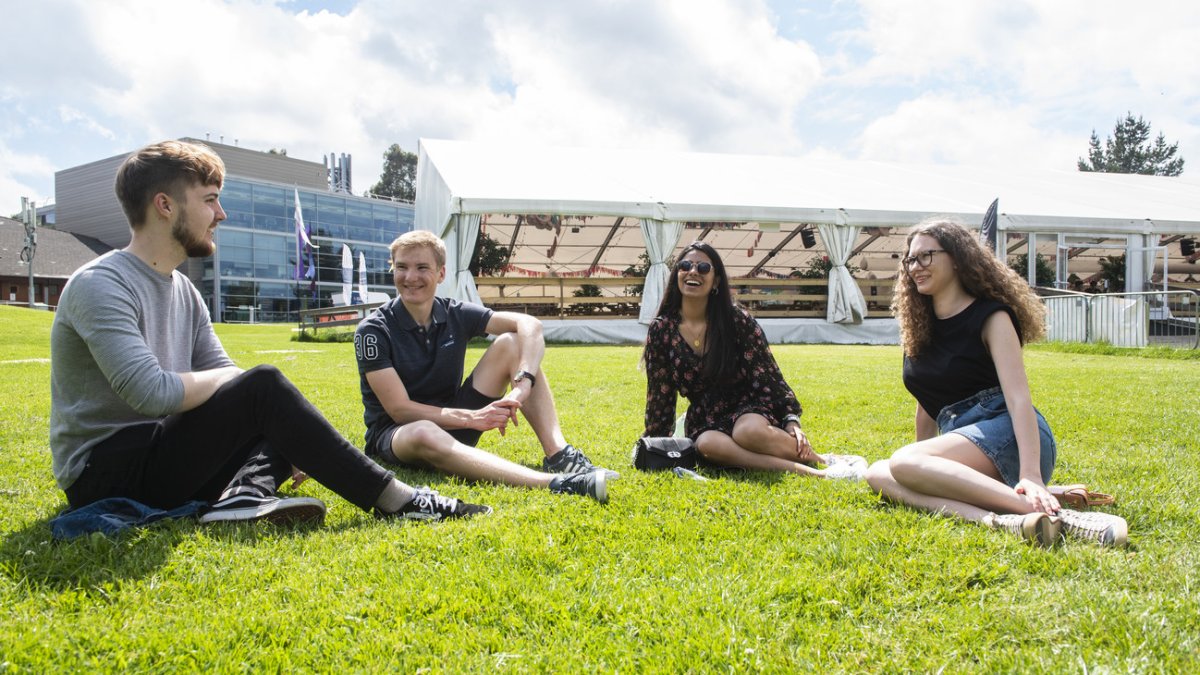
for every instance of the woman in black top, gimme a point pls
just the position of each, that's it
(982, 451)
(704, 346)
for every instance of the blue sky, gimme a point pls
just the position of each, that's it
(1007, 83)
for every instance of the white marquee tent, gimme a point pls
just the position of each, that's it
(458, 183)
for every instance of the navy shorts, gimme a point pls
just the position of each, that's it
(984, 420)
(467, 397)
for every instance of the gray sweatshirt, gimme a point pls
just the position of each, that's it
(121, 335)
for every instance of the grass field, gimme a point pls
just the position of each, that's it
(745, 572)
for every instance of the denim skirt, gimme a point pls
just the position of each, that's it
(984, 420)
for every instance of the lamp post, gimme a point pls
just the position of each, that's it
(29, 215)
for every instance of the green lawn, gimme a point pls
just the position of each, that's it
(745, 572)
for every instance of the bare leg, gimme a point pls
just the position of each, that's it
(754, 433)
(425, 442)
(947, 473)
(493, 375)
(879, 477)
(720, 448)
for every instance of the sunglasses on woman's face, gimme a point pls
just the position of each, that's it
(701, 267)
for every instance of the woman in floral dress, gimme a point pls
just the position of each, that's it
(704, 346)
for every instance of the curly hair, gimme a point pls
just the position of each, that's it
(981, 274)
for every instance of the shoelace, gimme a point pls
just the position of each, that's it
(1087, 525)
(1009, 522)
(430, 501)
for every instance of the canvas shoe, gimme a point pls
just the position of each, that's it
(279, 510)
(1103, 528)
(571, 460)
(429, 506)
(846, 471)
(831, 459)
(1039, 528)
(593, 484)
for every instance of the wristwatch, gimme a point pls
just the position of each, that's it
(524, 375)
(791, 418)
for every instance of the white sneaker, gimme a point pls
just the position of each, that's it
(846, 471)
(1039, 528)
(246, 508)
(1103, 528)
(832, 459)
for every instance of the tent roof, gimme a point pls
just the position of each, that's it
(456, 177)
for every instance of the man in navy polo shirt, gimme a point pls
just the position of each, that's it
(419, 411)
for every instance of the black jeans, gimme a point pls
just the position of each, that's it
(248, 435)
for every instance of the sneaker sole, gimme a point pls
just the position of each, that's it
(293, 510)
(1047, 532)
(601, 487)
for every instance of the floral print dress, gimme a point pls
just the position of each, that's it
(672, 368)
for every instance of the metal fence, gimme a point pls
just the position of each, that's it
(1160, 318)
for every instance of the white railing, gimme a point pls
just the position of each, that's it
(1166, 318)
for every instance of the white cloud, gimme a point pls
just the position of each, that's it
(71, 116)
(1014, 80)
(947, 130)
(1054, 71)
(19, 173)
(707, 75)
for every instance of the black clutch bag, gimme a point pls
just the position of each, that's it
(663, 453)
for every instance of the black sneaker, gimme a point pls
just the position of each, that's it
(593, 484)
(571, 460)
(428, 505)
(279, 510)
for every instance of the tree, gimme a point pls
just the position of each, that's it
(1046, 275)
(1112, 272)
(640, 270)
(1129, 150)
(399, 176)
(818, 268)
(490, 257)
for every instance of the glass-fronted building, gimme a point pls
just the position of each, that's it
(253, 275)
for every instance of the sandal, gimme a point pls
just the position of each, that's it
(1077, 496)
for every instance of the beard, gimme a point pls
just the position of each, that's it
(195, 246)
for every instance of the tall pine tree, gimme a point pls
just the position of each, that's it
(1129, 150)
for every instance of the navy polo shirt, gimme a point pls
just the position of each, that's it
(428, 361)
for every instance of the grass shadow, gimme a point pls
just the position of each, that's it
(32, 556)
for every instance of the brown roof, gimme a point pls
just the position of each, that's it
(58, 253)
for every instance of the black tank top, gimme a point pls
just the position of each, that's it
(955, 365)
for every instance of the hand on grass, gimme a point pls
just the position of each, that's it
(298, 477)
(1036, 494)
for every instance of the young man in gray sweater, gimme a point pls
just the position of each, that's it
(146, 404)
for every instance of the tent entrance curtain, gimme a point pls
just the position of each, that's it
(461, 234)
(846, 303)
(662, 236)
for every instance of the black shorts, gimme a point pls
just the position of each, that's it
(467, 397)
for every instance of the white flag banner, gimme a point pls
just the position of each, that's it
(362, 276)
(301, 231)
(347, 273)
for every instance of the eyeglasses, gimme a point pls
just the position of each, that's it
(687, 265)
(924, 258)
